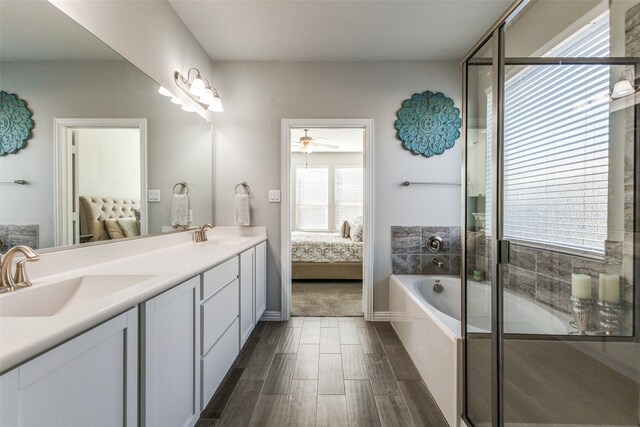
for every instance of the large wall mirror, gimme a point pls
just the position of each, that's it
(108, 157)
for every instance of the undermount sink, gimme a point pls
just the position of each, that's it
(222, 241)
(49, 300)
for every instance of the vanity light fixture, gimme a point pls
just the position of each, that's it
(199, 89)
(176, 101)
(623, 87)
(187, 108)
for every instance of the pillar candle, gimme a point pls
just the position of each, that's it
(581, 286)
(609, 288)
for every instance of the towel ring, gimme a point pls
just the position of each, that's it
(184, 185)
(246, 188)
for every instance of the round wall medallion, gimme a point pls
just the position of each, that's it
(15, 123)
(428, 123)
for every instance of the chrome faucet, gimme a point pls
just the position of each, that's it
(201, 233)
(8, 282)
(437, 262)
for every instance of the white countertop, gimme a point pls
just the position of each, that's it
(175, 259)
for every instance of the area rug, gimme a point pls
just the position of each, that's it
(326, 298)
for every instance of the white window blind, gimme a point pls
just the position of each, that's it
(348, 194)
(556, 142)
(312, 196)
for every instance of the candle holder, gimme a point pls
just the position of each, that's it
(609, 318)
(582, 310)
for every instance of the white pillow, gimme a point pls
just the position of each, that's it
(356, 231)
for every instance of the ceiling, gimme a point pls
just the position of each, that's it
(347, 140)
(37, 31)
(345, 30)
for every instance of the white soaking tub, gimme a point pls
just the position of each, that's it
(428, 323)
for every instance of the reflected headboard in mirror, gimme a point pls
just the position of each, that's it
(101, 132)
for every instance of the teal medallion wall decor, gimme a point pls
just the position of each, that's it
(428, 123)
(15, 123)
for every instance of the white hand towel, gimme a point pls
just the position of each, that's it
(241, 210)
(179, 210)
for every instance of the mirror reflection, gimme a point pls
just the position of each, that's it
(89, 150)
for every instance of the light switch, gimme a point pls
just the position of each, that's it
(274, 196)
(153, 196)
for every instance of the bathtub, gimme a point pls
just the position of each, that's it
(428, 323)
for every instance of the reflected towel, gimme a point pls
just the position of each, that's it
(241, 210)
(179, 210)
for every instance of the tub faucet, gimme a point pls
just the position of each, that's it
(201, 233)
(9, 283)
(436, 261)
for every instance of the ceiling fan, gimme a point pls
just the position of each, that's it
(306, 144)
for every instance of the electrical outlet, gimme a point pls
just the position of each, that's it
(153, 196)
(190, 215)
(274, 196)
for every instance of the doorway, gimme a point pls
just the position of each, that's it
(326, 218)
(100, 178)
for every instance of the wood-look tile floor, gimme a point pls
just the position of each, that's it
(323, 371)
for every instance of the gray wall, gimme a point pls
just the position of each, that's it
(179, 144)
(258, 95)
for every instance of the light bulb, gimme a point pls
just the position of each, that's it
(207, 98)
(216, 105)
(164, 92)
(187, 108)
(176, 101)
(197, 87)
(622, 88)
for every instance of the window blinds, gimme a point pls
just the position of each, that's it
(312, 195)
(556, 142)
(348, 194)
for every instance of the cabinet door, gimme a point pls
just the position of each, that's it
(91, 380)
(170, 356)
(261, 280)
(247, 281)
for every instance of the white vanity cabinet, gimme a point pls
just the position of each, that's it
(170, 356)
(90, 380)
(220, 310)
(253, 288)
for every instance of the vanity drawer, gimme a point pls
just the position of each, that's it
(218, 361)
(218, 313)
(215, 279)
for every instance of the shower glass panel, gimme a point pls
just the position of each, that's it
(561, 111)
(477, 245)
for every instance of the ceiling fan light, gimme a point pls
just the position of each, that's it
(216, 105)
(164, 91)
(197, 87)
(176, 101)
(622, 88)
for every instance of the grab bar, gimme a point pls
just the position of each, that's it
(408, 183)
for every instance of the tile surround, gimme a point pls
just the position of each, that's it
(409, 253)
(15, 234)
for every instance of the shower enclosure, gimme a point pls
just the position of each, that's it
(551, 112)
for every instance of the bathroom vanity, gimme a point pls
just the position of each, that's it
(100, 345)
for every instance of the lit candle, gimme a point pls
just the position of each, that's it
(581, 286)
(610, 288)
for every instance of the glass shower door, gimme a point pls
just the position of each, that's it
(477, 274)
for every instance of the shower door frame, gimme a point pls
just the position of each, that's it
(500, 246)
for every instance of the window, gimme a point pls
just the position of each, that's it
(556, 142)
(312, 198)
(348, 194)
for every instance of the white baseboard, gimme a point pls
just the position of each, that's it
(271, 316)
(381, 316)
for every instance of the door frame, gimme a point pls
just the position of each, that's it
(285, 209)
(63, 186)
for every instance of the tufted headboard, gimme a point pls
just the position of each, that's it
(94, 210)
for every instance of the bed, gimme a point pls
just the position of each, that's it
(325, 256)
(95, 210)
